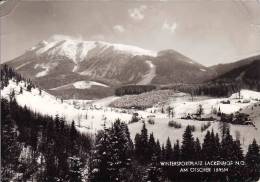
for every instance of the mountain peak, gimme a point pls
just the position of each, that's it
(77, 49)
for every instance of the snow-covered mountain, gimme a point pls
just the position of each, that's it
(61, 61)
(78, 51)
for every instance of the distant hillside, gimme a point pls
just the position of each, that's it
(172, 67)
(224, 68)
(247, 76)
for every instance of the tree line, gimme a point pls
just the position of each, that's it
(214, 89)
(133, 89)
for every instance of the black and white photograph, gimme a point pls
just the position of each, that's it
(130, 90)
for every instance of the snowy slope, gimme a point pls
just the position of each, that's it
(90, 118)
(148, 77)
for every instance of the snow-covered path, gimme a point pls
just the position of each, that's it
(147, 78)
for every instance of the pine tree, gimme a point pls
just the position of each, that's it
(120, 159)
(129, 144)
(101, 159)
(216, 147)
(207, 151)
(73, 139)
(176, 151)
(112, 155)
(138, 147)
(152, 146)
(187, 148)
(141, 145)
(168, 150)
(163, 153)
(253, 161)
(227, 145)
(223, 127)
(158, 150)
(237, 172)
(198, 149)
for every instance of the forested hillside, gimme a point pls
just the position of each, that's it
(40, 147)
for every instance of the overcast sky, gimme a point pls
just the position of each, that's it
(209, 32)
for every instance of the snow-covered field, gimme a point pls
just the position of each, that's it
(80, 85)
(90, 115)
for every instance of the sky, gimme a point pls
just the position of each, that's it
(210, 32)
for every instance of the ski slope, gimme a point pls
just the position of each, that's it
(147, 78)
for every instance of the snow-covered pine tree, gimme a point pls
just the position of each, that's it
(101, 158)
(75, 169)
(120, 152)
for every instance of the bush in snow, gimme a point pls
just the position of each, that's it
(200, 110)
(151, 121)
(174, 124)
(134, 118)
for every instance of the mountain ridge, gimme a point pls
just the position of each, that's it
(60, 61)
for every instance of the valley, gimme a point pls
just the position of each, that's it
(91, 115)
